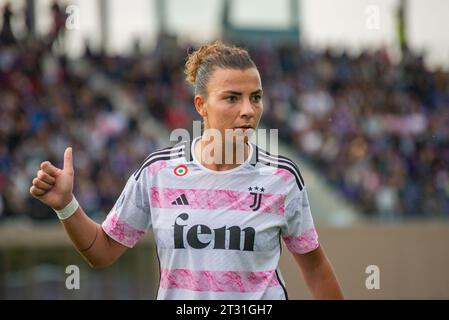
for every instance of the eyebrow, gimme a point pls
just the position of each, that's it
(260, 91)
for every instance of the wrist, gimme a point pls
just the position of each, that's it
(68, 210)
(64, 202)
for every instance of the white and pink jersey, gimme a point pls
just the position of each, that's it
(217, 233)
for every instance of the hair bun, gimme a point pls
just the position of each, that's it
(210, 56)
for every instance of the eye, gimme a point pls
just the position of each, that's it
(256, 98)
(231, 99)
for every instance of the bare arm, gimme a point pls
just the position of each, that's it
(91, 241)
(54, 187)
(319, 274)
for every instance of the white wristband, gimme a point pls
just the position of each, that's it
(68, 210)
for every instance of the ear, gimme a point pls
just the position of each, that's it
(200, 105)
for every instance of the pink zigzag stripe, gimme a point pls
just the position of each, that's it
(217, 199)
(303, 243)
(156, 167)
(285, 175)
(217, 281)
(121, 231)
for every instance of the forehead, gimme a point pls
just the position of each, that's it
(234, 80)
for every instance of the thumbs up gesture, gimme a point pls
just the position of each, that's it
(54, 186)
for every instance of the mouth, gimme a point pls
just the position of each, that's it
(244, 127)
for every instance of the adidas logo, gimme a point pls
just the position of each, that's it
(181, 200)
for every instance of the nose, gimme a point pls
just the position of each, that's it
(247, 109)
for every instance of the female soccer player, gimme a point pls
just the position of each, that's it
(217, 224)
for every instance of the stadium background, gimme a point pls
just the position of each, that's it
(359, 91)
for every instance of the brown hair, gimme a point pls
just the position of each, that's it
(202, 62)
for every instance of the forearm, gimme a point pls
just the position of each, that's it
(319, 275)
(323, 283)
(88, 238)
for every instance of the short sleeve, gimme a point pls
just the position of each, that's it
(130, 217)
(299, 232)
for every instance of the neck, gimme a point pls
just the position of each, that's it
(221, 155)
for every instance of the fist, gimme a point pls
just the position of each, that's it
(53, 186)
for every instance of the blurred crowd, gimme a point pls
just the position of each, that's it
(377, 130)
(48, 103)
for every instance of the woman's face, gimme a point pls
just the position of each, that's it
(234, 100)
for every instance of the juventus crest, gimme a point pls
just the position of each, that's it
(257, 194)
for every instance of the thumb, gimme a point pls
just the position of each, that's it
(68, 160)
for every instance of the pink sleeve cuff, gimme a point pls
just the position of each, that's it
(120, 231)
(304, 243)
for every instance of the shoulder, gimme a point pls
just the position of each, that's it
(283, 166)
(164, 156)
